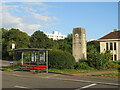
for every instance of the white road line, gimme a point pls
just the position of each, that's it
(52, 76)
(87, 81)
(20, 87)
(86, 86)
(15, 74)
(77, 80)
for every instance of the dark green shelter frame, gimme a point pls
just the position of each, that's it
(32, 50)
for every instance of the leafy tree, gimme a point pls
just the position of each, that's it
(39, 40)
(66, 44)
(4, 43)
(19, 38)
(96, 45)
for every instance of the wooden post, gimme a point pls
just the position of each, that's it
(47, 61)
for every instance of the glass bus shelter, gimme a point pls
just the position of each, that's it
(33, 58)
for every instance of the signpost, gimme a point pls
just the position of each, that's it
(11, 63)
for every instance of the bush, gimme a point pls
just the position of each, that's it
(98, 61)
(82, 65)
(61, 60)
(114, 65)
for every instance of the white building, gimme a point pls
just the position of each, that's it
(111, 42)
(56, 35)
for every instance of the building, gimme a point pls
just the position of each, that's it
(111, 42)
(79, 44)
(56, 35)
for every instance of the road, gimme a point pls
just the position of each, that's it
(10, 80)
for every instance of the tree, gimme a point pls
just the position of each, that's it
(19, 38)
(66, 44)
(4, 43)
(96, 45)
(39, 40)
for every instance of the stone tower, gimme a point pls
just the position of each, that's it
(79, 44)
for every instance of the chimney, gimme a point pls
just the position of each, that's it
(115, 30)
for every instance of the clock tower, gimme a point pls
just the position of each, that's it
(79, 44)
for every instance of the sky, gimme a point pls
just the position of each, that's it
(98, 18)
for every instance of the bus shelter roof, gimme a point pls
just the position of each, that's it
(28, 50)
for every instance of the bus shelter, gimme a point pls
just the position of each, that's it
(33, 58)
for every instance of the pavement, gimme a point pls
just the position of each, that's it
(5, 62)
(56, 80)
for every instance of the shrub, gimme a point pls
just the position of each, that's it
(82, 65)
(61, 60)
(114, 65)
(98, 61)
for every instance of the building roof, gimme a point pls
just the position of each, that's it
(111, 35)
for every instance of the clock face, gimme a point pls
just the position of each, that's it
(76, 35)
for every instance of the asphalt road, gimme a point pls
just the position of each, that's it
(37, 83)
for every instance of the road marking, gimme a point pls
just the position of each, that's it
(87, 81)
(76, 80)
(20, 87)
(51, 76)
(88, 86)
(25, 87)
(15, 74)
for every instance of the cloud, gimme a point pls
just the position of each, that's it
(44, 18)
(24, 17)
(30, 28)
(9, 21)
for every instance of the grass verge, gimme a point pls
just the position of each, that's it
(111, 75)
(72, 71)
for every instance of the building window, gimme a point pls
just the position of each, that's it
(111, 46)
(115, 46)
(112, 57)
(106, 46)
(115, 57)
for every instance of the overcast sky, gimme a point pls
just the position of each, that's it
(98, 18)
